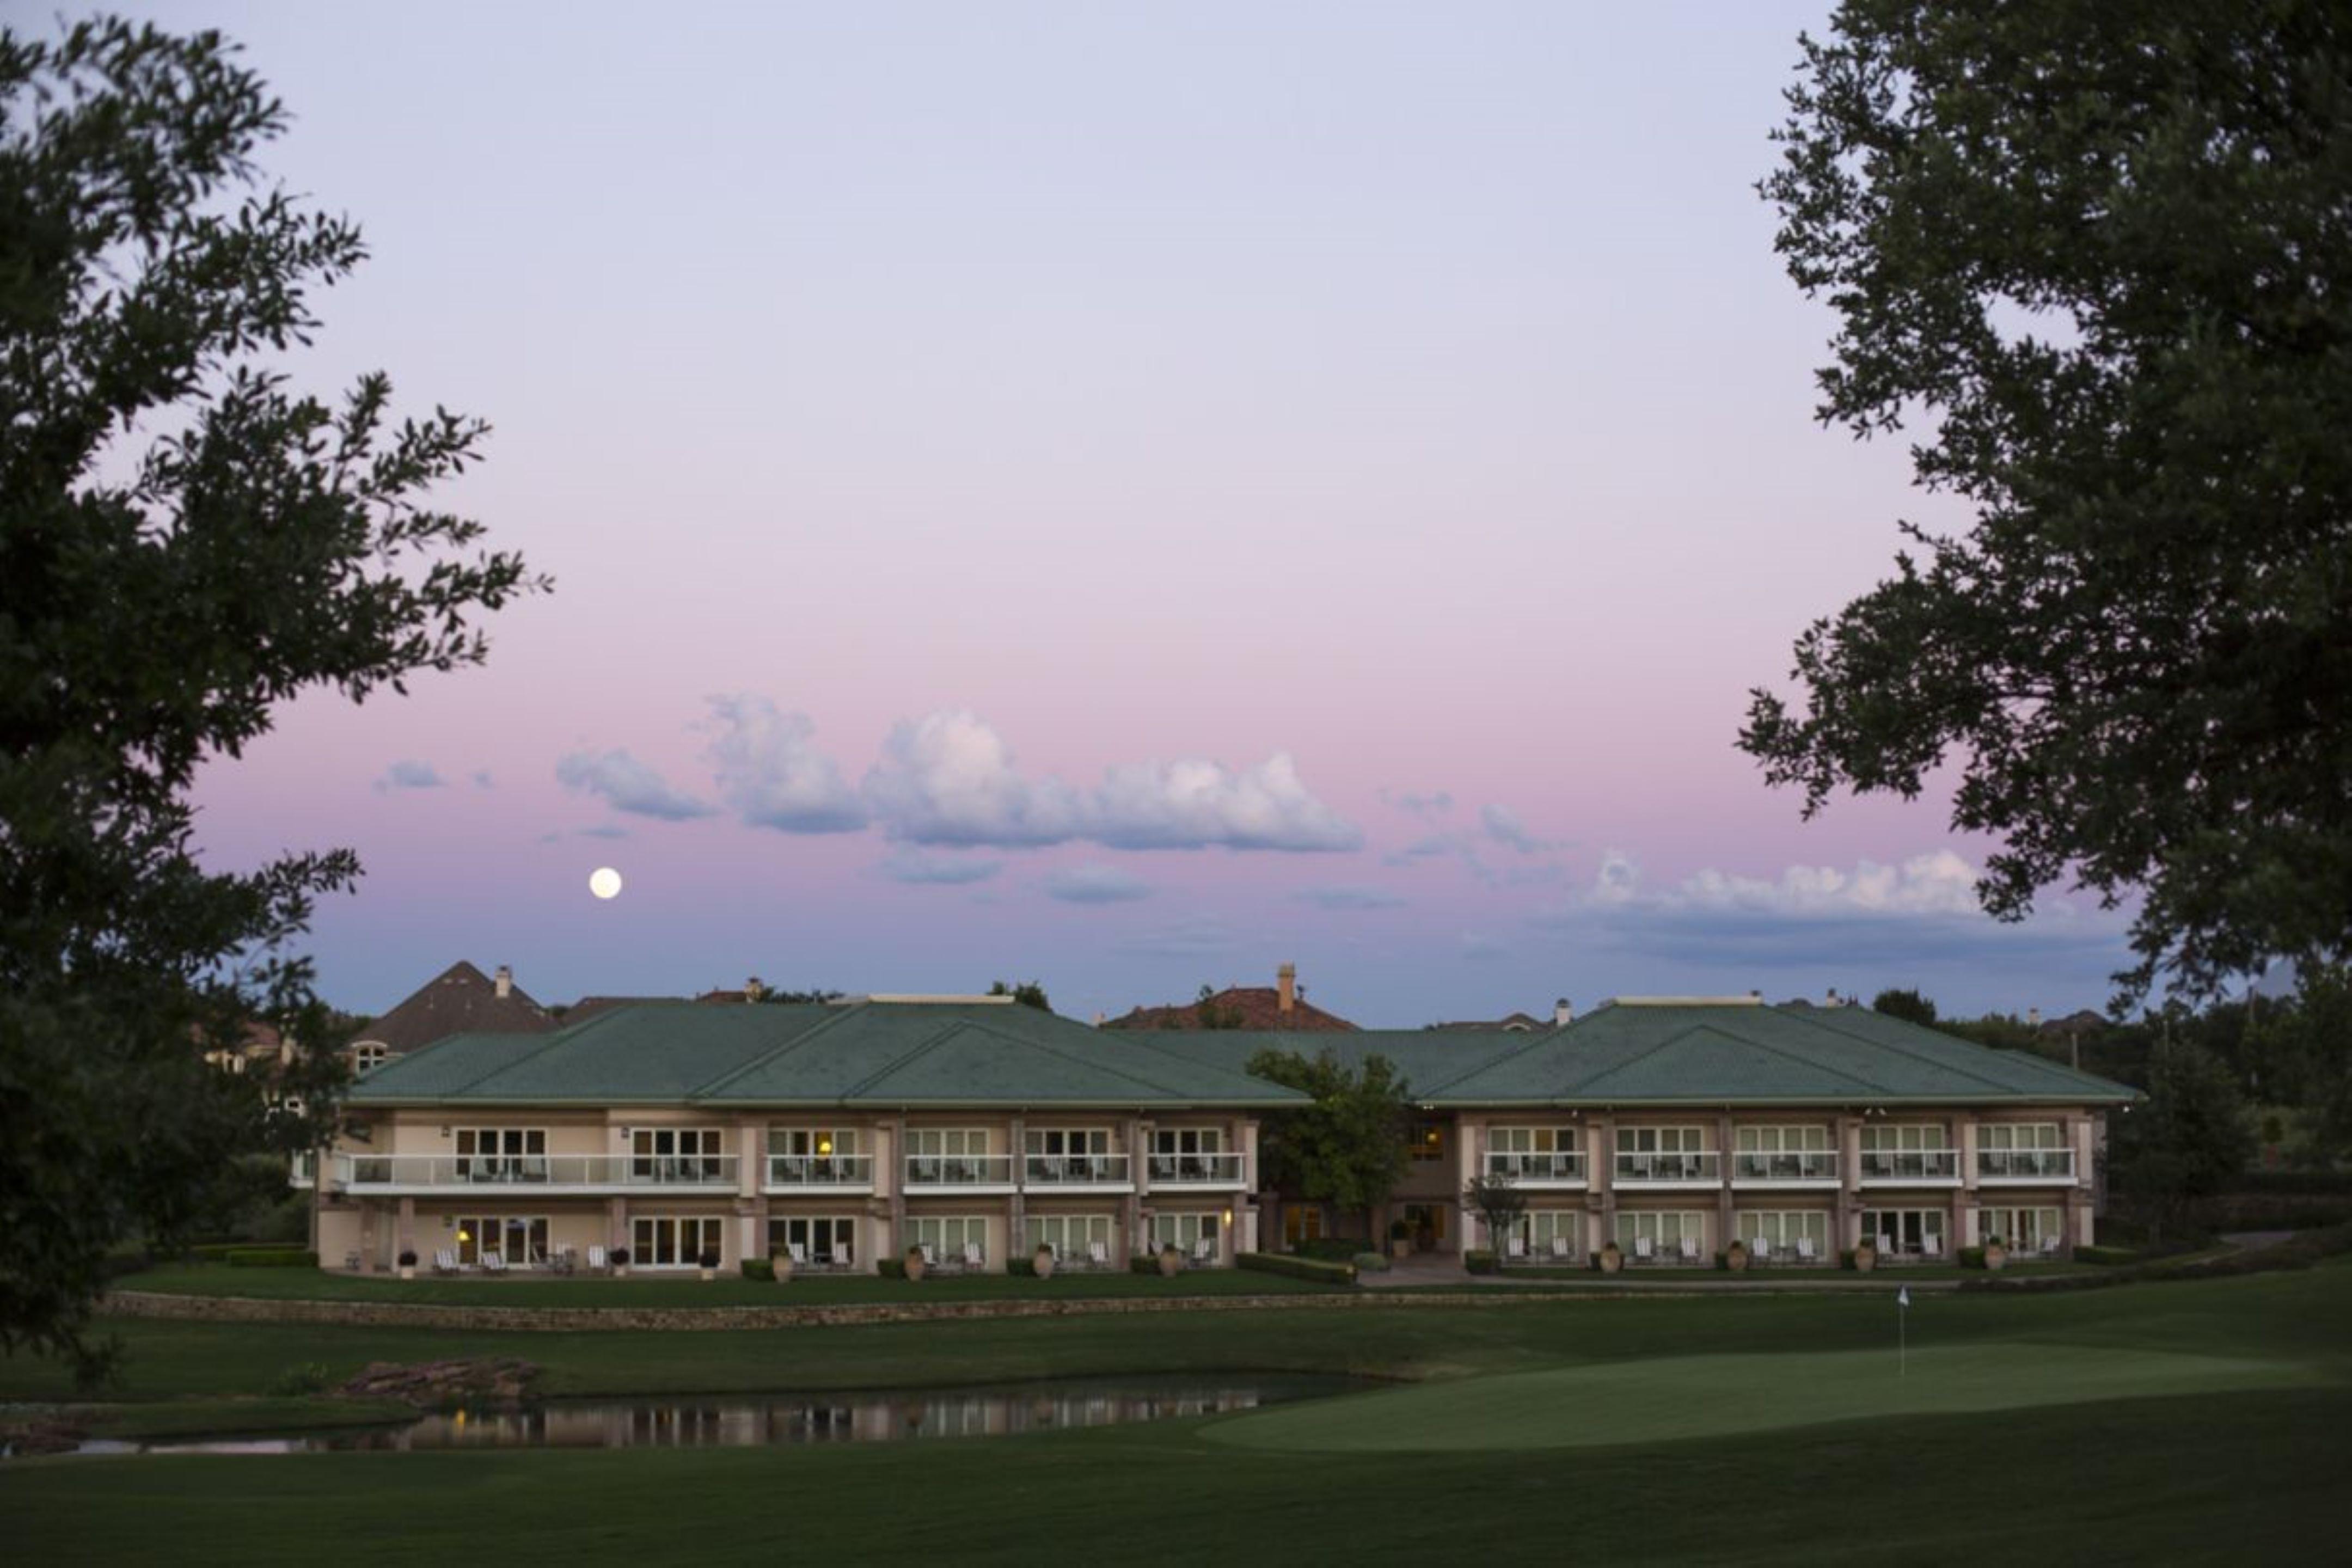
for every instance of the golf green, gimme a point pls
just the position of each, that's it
(1706, 1396)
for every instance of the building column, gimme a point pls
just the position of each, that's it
(1016, 1209)
(1138, 1165)
(1724, 1236)
(890, 1166)
(1849, 1195)
(616, 1224)
(405, 1238)
(370, 1211)
(1600, 1180)
(1965, 1201)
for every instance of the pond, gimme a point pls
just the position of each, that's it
(873, 1415)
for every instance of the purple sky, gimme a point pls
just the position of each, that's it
(1121, 495)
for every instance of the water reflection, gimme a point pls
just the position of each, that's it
(872, 1416)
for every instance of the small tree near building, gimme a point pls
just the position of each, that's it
(1348, 1149)
(1498, 1201)
(2189, 1141)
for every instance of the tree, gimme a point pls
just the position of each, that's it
(776, 998)
(1909, 1005)
(1346, 1149)
(2099, 251)
(1028, 993)
(1499, 1201)
(2189, 1141)
(184, 545)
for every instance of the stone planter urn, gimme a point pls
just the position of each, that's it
(1612, 1258)
(1735, 1257)
(914, 1263)
(1171, 1263)
(1044, 1262)
(1865, 1258)
(1996, 1256)
(408, 1271)
(781, 1263)
(705, 1275)
(620, 1271)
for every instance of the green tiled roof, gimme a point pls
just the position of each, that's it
(1733, 1053)
(875, 1055)
(1425, 1056)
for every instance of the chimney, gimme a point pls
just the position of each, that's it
(2034, 1017)
(505, 982)
(1562, 1014)
(1832, 998)
(1285, 988)
(753, 990)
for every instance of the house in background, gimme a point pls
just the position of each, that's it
(460, 1000)
(1280, 1007)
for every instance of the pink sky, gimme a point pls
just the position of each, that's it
(1411, 394)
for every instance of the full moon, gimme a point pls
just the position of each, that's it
(604, 882)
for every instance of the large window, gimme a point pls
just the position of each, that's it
(675, 1241)
(1184, 1232)
(1777, 1233)
(2023, 1149)
(1071, 1235)
(519, 1241)
(947, 1154)
(1663, 1154)
(805, 1156)
(1542, 1152)
(1428, 1141)
(2025, 1230)
(1665, 1231)
(1187, 1153)
(1799, 1154)
(1301, 1222)
(1782, 1139)
(826, 1241)
(948, 1236)
(372, 1054)
(1068, 1154)
(1914, 1150)
(1906, 1233)
(1550, 1234)
(501, 1153)
(676, 1154)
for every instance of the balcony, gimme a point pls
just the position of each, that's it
(1689, 1168)
(1077, 1174)
(820, 1173)
(1911, 1167)
(410, 1174)
(1203, 1170)
(2025, 1167)
(1563, 1169)
(1790, 1168)
(971, 1173)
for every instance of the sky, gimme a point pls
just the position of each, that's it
(1126, 496)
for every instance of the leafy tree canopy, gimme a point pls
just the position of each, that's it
(186, 543)
(1907, 1004)
(2096, 256)
(1028, 993)
(2190, 1138)
(1349, 1147)
(1499, 1201)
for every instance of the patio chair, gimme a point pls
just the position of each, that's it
(494, 1262)
(1645, 1249)
(1760, 1250)
(2048, 1248)
(597, 1260)
(1097, 1255)
(351, 1261)
(930, 1258)
(1515, 1249)
(445, 1262)
(1932, 1244)
(1805, 1249)
(973, 1261)
(1690, 1249)
(797, 1253)
(1886, 1252)
(1562, 1251)
(1204, 1252)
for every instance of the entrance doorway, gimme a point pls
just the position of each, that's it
(1427, 1223)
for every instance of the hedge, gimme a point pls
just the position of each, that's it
(2303, 1252)
(1298, 1268)
(891, 1268)
(2276, 1184)
(271, 1257)
(1479, 1260)
(1022, 1267)
(2106, 1255)
(759, 1268)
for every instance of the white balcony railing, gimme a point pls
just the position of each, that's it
(473, 1171)
(304, 1171)
(959, 1169)
(2026, 1164)
(1785, 1165)
(1198, 1170)
(826, 1171)
(1910, 1165)
(1565, 1167)
(1074, 1170)
(1669, 1169)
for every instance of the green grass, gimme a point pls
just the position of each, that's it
(727, 1290)
(2215, 1471)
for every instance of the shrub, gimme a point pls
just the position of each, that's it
(1321, 1272)
(1400, 1231)
(1479, 1260)
(309, 1377)
(1329, 1248)
(271, 1257)
(709, 1260)
(620, 1256)
(759, 1268)
(1143, 1263)
(1722, 1261)
(1971, 1257)
(891, 1268)
(1022, 1267)
(408, 1260)
(2271, 1184)
(1375, 1262)
(1845, 1258)
(2106, 1255)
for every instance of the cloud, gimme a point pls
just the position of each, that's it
(1347, 897)
(771, 772)
(939, 870)
(410, 776)
(1431, 804)
(603, 832)
(1503, 828)
(628, 784)
(482, 779)
(1095, 884)
(950, 779)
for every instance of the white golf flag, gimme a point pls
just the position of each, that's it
(1902, 1297)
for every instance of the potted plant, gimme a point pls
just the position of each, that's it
(620, 1256)
(1865, 1256)
(1171, 1262)
(914, 1262)
(709, 1266)
(1996, 1253)
(781, 1265)
(1734, 1256)
(1400, 1239)
(1612, 1257)
(407, 1265)
(1042, 1262)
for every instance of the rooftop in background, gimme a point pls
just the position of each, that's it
(461, 999)
(1280, 1007)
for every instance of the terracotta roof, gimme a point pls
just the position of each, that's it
(1251, 1007)
(1516, 1023)
(460, 1000)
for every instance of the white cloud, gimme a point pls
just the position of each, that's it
(1095, 884)
(939, 870)
(1503, 825)
(1348, 898)
(949, 779)
(628, 784)
(409, 775)
(1193, 803)
(771, 772)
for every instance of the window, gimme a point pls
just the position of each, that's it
(813, 1142)
(948, 1236)
(1914, 1150)
(1775, 1232)
(1551, 1233)
(1428, 1141)
(2023, 1230)
(2022, 1136)
(370, 1054)
(1664, 1154)
(2023, 1149)
(673, 1241)
(827, 1241)
(676, 1154)
(1784, 1153)
(810, 1155)
(1782, 1140)
(519, 1241)
(1301, 1222)
(501, 1153)
(1910, 1233)
(1070, 1235)
(1184, 1232)
(1666, 1231)
(1068, 1154)
(1187, 1153)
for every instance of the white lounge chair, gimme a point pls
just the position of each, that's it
(1690, 1249)
(1932, 1244)
(2050, 1246)
(797, 1253)
(1804, 1250)
(1886, 1252)
(597, 1262)
(1562, 1251)
(445, 1262)
(973, 1261)
(930, 1258)
(1097, 1255)
(1515, 1249)
(1759, 1249)
(494, 1262)
(1645, 1249)
(1204, 1252)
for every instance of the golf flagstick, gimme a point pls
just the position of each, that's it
(1902, 1331)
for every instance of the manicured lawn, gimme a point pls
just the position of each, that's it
(2122, 1471)
(637, 1291)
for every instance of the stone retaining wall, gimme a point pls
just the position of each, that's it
(572, 1320)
